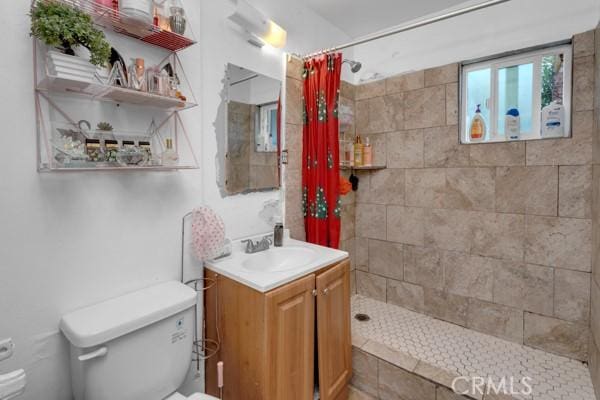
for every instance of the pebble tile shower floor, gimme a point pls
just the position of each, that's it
(468, 353)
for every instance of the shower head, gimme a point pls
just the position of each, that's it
(355, 66)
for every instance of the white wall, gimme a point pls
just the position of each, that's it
(509, 26)
(69, 240)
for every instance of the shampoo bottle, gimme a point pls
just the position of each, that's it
(367, 153)
(512, 124)
(358, 152)
(553, 120)
(477, 129)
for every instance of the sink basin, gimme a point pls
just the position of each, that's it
(278, 259)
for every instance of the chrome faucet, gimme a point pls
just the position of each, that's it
(260, 245)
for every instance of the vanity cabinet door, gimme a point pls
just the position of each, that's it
(290, 321)
(333, 331)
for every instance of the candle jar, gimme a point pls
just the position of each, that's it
(92, 149)
(137, 75)
(111, 149)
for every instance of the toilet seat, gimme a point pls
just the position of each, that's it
(195, 396)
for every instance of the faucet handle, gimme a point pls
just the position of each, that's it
(268, 238)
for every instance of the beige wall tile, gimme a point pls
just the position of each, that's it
(370, 285)
(441, 148)
(524, 286)
(380, 114)
(447, 394)
(293, 99)
(583, 83)
(440, 75)
(572, 295)
(595, 311)
(596, 222)
(575, 191)
(449, 229)
(570, 151)
(370, 221)
(497, 154)
(423, 266)
(469, 276)
(452, 104)
(405, 149)
(527, 190)
(425, 108)
(495, 319)
(406, 295)
(355, 394)
(499, 235)
(396, 383)
(348, 90)
(390, 355)
(362, 253)
(386, 259)
(446, 306)
(385, 186)
(349, 246)
(370, 90)
(405, 82)
(425, 187)
(294, 68)
(561, 242)
(583, 44)
(365, 371)
(405, 225)
(348, 217)
(556, 336)
(470, 189)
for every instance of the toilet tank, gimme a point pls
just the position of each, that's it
(138, 346)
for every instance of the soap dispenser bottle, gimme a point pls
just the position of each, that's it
(477, 130)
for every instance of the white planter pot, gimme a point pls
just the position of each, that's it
(69, 67)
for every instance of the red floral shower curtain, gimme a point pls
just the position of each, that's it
(320, 151)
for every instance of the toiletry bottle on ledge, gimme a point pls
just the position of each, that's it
(169, 157)
(367, 153)
(358, 152)
(477, 130)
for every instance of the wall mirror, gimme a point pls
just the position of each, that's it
(252, 126)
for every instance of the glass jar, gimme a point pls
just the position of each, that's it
(177, 20)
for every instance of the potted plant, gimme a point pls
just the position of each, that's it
(64, 27)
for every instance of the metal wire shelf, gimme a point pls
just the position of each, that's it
(108, 17)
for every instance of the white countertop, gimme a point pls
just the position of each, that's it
(233, 266)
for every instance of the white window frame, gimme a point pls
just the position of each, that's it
(495, 63)
(263, 126)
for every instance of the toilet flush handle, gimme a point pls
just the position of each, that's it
(101, 352)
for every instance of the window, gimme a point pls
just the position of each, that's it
(524, 96)
(266, 128)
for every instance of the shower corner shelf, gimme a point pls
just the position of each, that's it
(362, 168)
(109, 18)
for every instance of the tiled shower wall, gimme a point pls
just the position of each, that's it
(493, 237)
(595, 316)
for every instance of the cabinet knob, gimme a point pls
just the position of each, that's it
(314, 292)
(325, 291)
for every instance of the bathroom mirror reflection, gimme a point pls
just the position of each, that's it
(252, 124)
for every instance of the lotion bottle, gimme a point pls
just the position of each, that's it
(367, 154)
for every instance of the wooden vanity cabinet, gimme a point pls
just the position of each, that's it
(272, 343)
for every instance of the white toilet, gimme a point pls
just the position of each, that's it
(138, 346)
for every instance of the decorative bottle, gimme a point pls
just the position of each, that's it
(169, 157)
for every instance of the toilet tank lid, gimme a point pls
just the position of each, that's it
(102, 322)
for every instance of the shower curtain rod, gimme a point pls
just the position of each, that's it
(418, 24)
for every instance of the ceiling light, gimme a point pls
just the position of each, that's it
(255, 23)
